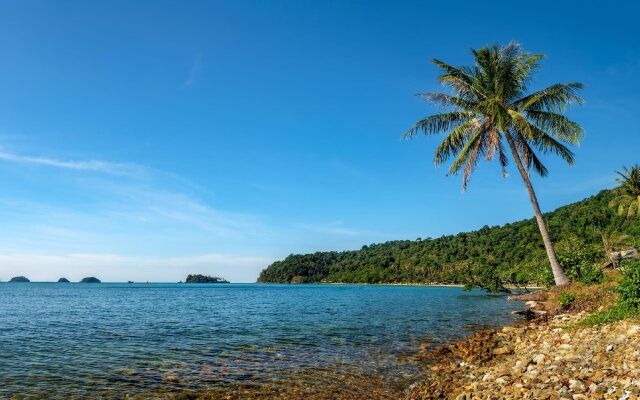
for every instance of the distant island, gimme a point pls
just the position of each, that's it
(90, 279)
(19, 279)
(63, 280)
(197, 278)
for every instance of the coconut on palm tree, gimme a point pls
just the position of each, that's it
(628, 202)
(491, 114)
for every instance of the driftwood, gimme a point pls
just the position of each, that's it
(617, 256)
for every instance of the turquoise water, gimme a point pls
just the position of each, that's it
(147, 340)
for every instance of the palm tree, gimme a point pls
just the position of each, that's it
(489, 106)
(628, 202)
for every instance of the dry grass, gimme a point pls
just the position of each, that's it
(588, 298)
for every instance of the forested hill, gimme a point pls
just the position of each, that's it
(514, 252)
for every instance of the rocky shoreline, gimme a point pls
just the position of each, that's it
(547, 358)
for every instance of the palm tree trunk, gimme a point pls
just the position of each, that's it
(558, 275)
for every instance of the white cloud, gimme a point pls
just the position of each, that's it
(152, 205)
(331, 228)
(88, 165)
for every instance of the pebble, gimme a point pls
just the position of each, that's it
(540, 360)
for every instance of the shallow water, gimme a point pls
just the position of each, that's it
(246, 340)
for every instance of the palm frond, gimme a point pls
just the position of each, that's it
(530, 158)
(630, 180)
(557, 125)
(454, 141)
(555, 98)
(439, 123)
(446, 100)
(461, 81)
(543, 141)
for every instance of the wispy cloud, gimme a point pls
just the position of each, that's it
(331, 228)
(101, 224)
(86, 165)
(194, 72)
(153, 205)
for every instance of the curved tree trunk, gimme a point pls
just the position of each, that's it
(558, 275)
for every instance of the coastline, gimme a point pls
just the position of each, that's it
(550, 357)
(458, 285)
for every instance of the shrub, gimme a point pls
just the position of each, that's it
(613, 314)
(628, 297)
(581, 265)
(629, 288)
(566, 299)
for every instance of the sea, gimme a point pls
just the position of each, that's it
(229, 341)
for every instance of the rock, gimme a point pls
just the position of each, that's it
(90, 279)
(619, 339)
(170, 377)
(576, 385)
(538, 359)
(541, 360)
(19, 279)
(63, 280)
(488, 377)
(565, 394)
(502, 380)
(501, 351)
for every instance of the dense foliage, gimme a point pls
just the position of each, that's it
(512, 254)
(197, 278)
(629, 288)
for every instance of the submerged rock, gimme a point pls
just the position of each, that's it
(90, 279)
(19, 279)
(63, 280)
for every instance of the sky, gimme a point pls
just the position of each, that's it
(151, 139)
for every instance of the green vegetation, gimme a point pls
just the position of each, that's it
(514, 253)
(628, 202)
(491, 105)
(197, 278)
(628, 301)
(581, 262)
(629, 288)
(566, 299)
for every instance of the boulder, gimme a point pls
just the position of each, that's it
(63, 280)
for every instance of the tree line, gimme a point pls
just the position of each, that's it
(488, 257)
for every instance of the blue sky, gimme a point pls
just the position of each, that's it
(148, 140)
